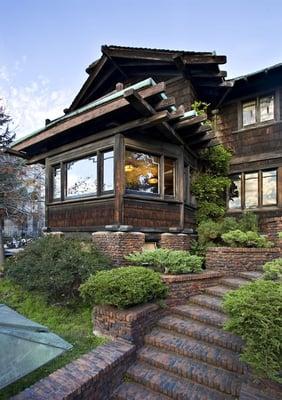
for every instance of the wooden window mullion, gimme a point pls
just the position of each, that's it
(99, 173)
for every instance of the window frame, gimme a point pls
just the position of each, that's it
(100, 193)
(257, 101)
(162, 155)
(260, 190)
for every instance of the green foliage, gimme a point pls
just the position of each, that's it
(255, 312)
(217, 159)
(200, 107)
(210, 231)
(123, 287)
(279, 235)
(55, 266)
(239, 238)
(198, 249)
(168, 261)
(73, 324)
(210, 185)
(273, 270)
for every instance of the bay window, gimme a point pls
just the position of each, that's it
(253, 190)
(84, 177)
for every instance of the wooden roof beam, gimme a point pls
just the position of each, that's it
(165, 103)
(115, 64)
(190, 121)
(138, 103)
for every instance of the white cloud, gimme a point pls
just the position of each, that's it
(30, 104)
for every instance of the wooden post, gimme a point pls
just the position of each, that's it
(119, 153)
(180, 179)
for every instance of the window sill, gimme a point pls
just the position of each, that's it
(258, 209)
(150, 198)
(259, 125)
(81, 199)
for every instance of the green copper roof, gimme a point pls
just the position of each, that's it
(102, 100)
(24, 346)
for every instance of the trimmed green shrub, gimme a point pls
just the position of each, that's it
(217, 159)
(255, 312)
(273, 270)
(238, 238)
(123, 287)
(248, 222)
(55, 266)
(167, 261)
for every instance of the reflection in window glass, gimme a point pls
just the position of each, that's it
(169, 176)
(251, 190)
(235, 192)
(56, 182)
(249, 113)
(142, 172)
(269, 187)
(108, 171)
(266, 108)
(82, 177)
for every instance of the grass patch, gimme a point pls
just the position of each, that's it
(73, 323)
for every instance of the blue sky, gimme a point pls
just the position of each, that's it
(45, 45)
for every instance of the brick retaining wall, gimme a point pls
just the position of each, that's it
(239, 259)
(181, 287)
(175, 241)
(131, 324)
(116, 245)
(91, 377)
(271, 226)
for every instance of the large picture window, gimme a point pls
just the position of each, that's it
(150, 174)
(253, 190)
(85, 177)
(142, 172)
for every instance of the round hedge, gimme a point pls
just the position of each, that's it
(123, 287)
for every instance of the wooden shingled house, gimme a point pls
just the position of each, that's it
(121, 157)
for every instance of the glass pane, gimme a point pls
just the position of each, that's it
(142, 172)
(266, 108)
(108, 171)
(249, 113)
(56, 182)
(235, 192)
(82, 177)
(251, 190)
(269, 187)
(169, 176)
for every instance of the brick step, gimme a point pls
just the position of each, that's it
(198, 330)
(169, 384)
(218, 290)
(202, 373)
(212, 302)
(196, 349)
(251, 275)
(234, 283)
(201, 314)
(134, 391)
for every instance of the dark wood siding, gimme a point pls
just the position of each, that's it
(81, 216)
(151, 214)
(182, 90)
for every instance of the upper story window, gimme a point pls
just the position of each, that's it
(85, 177)
(149, 174)
(258, 110)
(253, 190)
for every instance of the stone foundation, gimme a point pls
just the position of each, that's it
(93, 376)
(131, 324)
(181, 287)
(232, 260)
(116, 245)
(175, 241)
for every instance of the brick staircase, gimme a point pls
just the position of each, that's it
(188, 355)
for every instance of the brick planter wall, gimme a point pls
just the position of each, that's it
(131, 324)
(271, 227)
(91, 377)
(175, 241)
(116, 245)
(239, 259)
(181, 287)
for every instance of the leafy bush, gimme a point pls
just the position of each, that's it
(168, 261)
(123, 287)
(239, 238)
(217, 159)
(248, 222)
(55, 266)
(255, 312)
(273, 270)
(279, 235)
